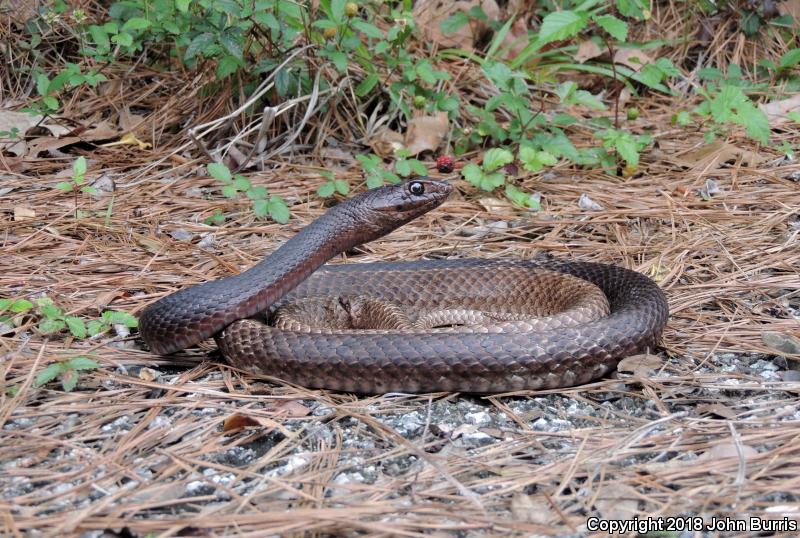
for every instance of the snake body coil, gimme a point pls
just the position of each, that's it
(401, 361)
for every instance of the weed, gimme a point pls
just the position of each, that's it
(66, 371)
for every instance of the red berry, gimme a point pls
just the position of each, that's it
(445, 164)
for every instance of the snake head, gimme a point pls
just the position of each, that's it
(389, 207)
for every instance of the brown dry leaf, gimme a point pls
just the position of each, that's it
(717, 409)
(643, 365)
(425, 133)
(12, 164)
(129, 122)
(777, 111)
(633, 58)
(18, 11)
(22, 121)
(386, 142)
(429, 14)
(292, 408)
(782, 343)
(148, 374)
(587, 50)
(711, 155)
(493, 205)
(237, 422)
(790, 7)
(23, 213)
(531, 510)
(728, 450)
(617, 501)
(48, 144)
(102, 131)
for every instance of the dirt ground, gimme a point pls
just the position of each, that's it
(147, 446)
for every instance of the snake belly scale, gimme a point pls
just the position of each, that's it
(405, 361)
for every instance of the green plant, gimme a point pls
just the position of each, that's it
(67, 371)
(489, 176)
(49, 89)
(627, 146)
(53, 320)
(332, 185)
(78, 181)
(10, 309)
(407, 166)
(264, 204)
(374, 172)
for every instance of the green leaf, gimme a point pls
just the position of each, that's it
(473, 174)
(794, 116)
(48, 374)
(51, 326)
(424, 71)
(366, 85)
(492, 180)
(342, 186)
(616, 28)
(495, 158)
(100, 37)
(260, 208)
(198, 45)
(338, 58)
(369, 30)
(391, 177)
(136, 23)
(337, 9)
(232, 43)
(96, 327)
(69, 379)
(403, 167)
(20, 305)
(259, 192)
(682, 118)
(499, 73)
(42, 84)
(374, 181)
(65, 186)
(417, 167)
(227, 66)
(278, 210)
(76, 326)
(82, 363)
(626, 147)
(88, 189)
(123, 38)
(229, 191)
(756, 123)
(454, 22)
(50, 102)
(118, 317)
(560, 25)
(790, 59)
(447, 104)
(326, 189)
(241, 183)
(220, 172)
(582, 97)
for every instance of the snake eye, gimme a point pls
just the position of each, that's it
(416, 188)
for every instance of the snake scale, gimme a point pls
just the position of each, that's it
(378, 361)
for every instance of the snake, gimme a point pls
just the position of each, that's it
(572, 350)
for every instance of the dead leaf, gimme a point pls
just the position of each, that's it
(617, 501)
(643, 365)
(717, 409)
(429, 14)
(710, 156)
(587, 50)
(18, 11)
(495, 205)
(425, 133)
(148, 374)
(49, 144)
(386, 142)
(777, 111)
(292, 408)
(237, 422)
(129, 122)
(22, 121)
(531, 510)
(728, 450)
(790, 7)
(782, 343)
(633, 58)
(102, 131)
(23, 213)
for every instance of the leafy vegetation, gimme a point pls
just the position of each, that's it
(67, 371)
(53, 320)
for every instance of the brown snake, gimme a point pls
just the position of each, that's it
(396, 360)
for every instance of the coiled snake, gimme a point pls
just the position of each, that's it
(512, 353)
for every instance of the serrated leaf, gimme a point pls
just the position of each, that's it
(326, 189)
(756, 123)
(495, 158)
(50, 102)
(342, 186)
(42, 84)
(626, 148)
(417, 167)
(21, 305)
(582, 97)
(241, 183)
(95, 327)
(88, 189)
(454, 22)
(69, 380)
(197, 45)
(219, 171)
(374, 181)
(260, 208)
(51, 326)
(136, 23)
(366, 85)
(76, 326)
(100, 37)
(227, 65)
(369, 30)
(424, 71)
(616, 28)
(391, 177)
(278, 210)
(65, 186)
(403, 167)
(81, 363)
(229, 191)
(794, 116)
(472, 173)
(48, 374)
(123, 38)
(492, 180)
(118, 317)
(259, 192)
(231, 42)
(790, 59)
(560, 25)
